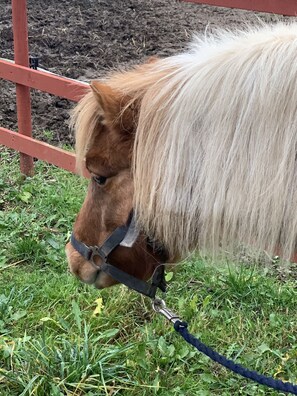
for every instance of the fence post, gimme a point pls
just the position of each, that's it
(21, 57)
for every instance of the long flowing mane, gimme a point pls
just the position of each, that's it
(214, 158)
(215, 149)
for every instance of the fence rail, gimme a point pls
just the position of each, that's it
(35, 148)
(282, 7)
(43, 81)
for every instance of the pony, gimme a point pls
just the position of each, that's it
(202, 145)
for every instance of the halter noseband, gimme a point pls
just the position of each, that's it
(126, 236)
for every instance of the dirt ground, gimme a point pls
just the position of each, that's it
(84, 39)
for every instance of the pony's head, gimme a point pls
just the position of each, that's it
(209, 137)
(104, 122)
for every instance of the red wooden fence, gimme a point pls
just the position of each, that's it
(283, 7)
(26, 78)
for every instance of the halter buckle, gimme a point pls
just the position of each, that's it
(96, 251)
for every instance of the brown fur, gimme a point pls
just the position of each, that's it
(105, 143)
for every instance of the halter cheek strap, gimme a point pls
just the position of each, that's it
(103, 251)
(125, 236)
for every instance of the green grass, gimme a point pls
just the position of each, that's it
(51, 343)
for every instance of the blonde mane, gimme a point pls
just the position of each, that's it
(215, 149)
(84, 120)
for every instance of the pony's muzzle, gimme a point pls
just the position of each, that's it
(87, 271)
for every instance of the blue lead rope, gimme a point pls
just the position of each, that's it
(159, 306)
(181, 328)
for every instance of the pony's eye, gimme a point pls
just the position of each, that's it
(101, 180)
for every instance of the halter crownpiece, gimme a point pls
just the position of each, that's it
(125, 235)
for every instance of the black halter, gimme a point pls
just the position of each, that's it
(124, 235)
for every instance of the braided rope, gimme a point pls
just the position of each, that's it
(181, 328)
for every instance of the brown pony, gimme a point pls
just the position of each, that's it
(201, 145)
(105, 123)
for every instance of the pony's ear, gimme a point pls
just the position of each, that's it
(114, 106)
(107, 98)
